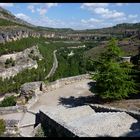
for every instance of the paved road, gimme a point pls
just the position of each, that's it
(54, 67)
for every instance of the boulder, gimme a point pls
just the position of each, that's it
(21, 100)
(28, 90)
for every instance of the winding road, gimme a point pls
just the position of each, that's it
(54, 67)
(55, 63)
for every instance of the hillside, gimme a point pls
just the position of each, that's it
(17, 36)
(5, 14)
(129, 45)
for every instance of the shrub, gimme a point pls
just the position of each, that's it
(40, 132)
(9, 62)
(2, 126)
(8, 101)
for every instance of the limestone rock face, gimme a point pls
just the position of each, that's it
(28, 90)
(21, 100)
(22, 61)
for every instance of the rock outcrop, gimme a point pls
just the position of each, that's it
(29, 90)
(8, 35)
(22, 61)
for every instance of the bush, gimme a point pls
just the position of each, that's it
(8, 101)
(9, 62)
(2, 126)
(40, 132)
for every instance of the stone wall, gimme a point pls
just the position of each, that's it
(35, 89)
(102, 108)
(52, 128)
(12, 109)
(61, 129)
(64, 81)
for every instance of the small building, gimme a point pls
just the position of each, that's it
(126, 59)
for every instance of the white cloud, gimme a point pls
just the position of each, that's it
(108, 14)
(132, 16)
(47, 22)
(101, 10)
(6, 4)
(121, 4)
(23, 16)
(44, 21)
(120, 19)
(91, 21)
(32, 8)
(93, 5)
(42, 11)
(49, 5)
(114, 14)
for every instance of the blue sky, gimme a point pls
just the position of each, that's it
(76, 15)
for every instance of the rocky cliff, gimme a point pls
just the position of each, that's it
(22, 61)
(5, 14)
(17, 33)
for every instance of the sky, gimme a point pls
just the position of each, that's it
(75, 15)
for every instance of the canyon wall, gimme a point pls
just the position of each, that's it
(16, 33)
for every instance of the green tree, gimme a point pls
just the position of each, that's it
(9, 62)
(113, 77)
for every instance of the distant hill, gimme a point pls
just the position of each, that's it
(6, 15)
(55, 29)
(7, 19)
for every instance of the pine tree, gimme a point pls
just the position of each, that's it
(113, 77)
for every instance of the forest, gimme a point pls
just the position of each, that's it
(68, 65)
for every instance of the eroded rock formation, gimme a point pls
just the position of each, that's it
(22, 61)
